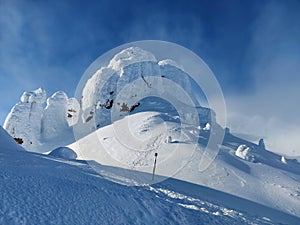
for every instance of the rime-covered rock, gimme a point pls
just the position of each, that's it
(54, 120)
(114, 91)
(24, 120)
(37, 128)
(130, 76)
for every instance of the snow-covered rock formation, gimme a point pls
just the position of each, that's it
(24, 120)
(130, 76)
(34, 126)
(122, 87)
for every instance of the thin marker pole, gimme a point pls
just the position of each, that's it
(154, 165)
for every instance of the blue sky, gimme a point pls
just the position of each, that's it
(252, 47)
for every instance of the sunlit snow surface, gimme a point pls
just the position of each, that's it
(263, 179)
(39, 189)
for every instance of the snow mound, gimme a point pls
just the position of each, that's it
(63, 153)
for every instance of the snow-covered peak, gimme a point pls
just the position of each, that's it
(38, 96)
(129, 56)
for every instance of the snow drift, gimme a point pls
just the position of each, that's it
(63, 153)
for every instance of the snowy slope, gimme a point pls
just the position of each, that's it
(38, 189)
(261, 178)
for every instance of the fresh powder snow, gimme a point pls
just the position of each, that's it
(39, 189)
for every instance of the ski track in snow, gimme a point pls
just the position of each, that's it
(211, 210)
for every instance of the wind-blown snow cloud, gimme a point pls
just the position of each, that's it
(272, 109)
